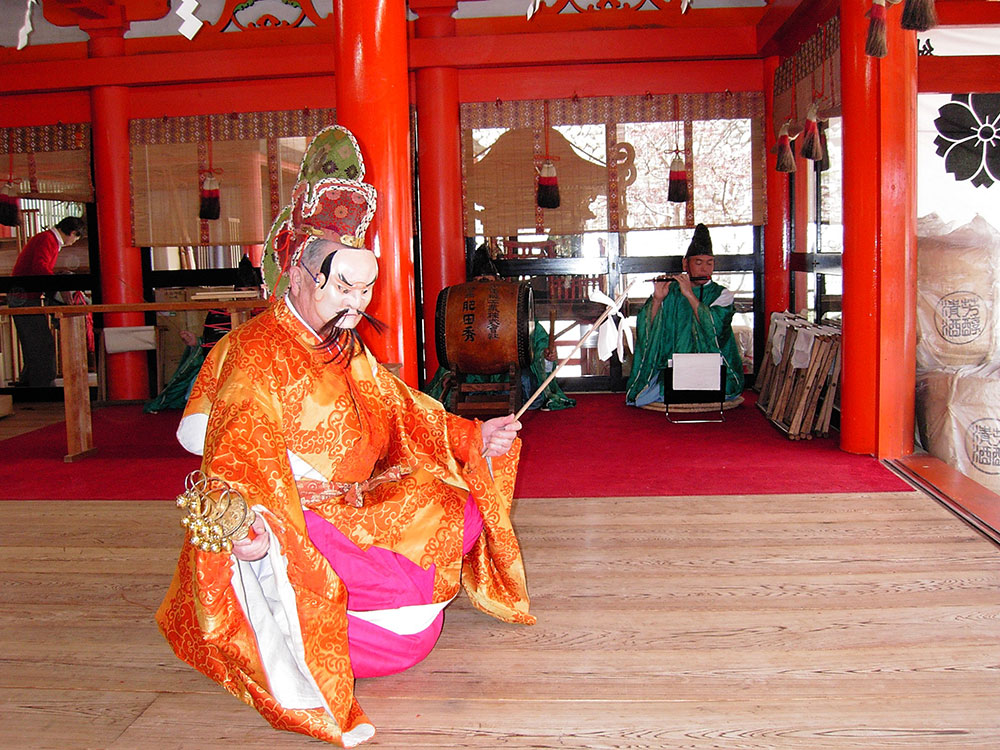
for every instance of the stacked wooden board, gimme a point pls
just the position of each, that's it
(799, 376)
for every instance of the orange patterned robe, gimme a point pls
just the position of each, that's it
(268, 393)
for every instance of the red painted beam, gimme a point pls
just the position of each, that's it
(177, 100)
(777, 15)
(31, 110)
(798, 27)
(80, 12)
(316, 59)
(967, 12)
(75, 12)
(962, 74)
(669, 17)
(178, 67)
(616, 45)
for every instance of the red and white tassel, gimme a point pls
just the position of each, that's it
(823, 164)
(783, 148)
(875, 44)
(547, 195)
(10, 206)
(812, 145)
(919, 15)
(677, 190)
(210, 207)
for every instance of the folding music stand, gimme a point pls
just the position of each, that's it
(695, 379)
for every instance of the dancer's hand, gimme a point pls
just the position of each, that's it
(499, 434)
(254, 546)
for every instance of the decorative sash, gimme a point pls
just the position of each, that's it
(315, 491)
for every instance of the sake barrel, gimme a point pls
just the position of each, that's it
(958, 418)
(482, 327)
(957, 304)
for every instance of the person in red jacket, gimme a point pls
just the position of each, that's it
(38, 258)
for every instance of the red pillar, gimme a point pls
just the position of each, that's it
(776, 281)
(373, 103)
(879, 310)
(804, 187)
(442, 233)
(861, 112)
(898, 243)
(121, 268)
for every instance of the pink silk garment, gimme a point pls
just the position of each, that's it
(378, 579)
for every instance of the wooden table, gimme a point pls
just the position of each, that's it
(73, 348)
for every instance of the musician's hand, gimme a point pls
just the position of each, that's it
(684, 282)
(189, 338)
(248, 549)
(550, 354)
(499, 434)
(660, 288)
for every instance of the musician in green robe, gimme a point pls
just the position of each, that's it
(687, 313)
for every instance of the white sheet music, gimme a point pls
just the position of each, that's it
(697, 372)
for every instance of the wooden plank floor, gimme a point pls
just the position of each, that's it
(837, 621)
(30, 416)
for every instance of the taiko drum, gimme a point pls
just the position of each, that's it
(482, 326)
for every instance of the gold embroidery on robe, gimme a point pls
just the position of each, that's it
(267, 391)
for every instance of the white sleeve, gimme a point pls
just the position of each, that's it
(268, 601)
(725, 299)
(269, 604)
(191, 433)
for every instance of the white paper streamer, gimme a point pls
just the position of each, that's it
(191, 23)
(27, 28)
(613, 335)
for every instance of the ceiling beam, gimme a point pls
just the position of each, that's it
(802, 24)
(167, 68)
(777, 15)
(610, 45)
(85, 13)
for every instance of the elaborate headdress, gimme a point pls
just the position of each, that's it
(329, 200)
(701, 242)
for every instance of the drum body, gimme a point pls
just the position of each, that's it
(482, 327)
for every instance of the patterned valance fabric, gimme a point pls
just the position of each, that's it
(253, 155)
(811, 74)
(612, 109)
(719, 136)
(48, 161)
(235, 126)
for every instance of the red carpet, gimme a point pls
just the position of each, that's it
(600, 449)
(137, 458)
(603, 448)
